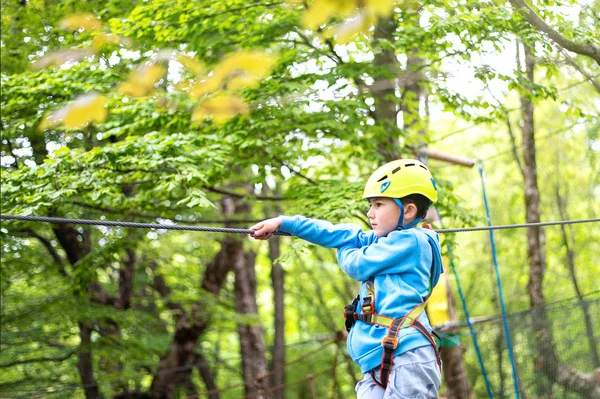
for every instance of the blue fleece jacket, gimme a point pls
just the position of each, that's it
(400, 266)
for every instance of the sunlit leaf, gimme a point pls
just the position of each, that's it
(243, 82)
(191, 64)
(207, 85)
(88, 108)
(61, 57)
(105, 39)
(380, 8)
(141, 81)
(221, 108)
(255, 63)
(245, 68)
(318, 13)
(80, 21)
(347, 31)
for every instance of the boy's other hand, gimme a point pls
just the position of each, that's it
(264, 230)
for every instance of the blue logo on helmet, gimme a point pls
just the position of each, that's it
(384, 185)
(434, 184)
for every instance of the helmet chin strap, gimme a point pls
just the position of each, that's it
(401, 221)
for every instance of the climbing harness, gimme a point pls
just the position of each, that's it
(394, 325)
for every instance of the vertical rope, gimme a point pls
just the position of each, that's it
(463, 300)
(499, 284)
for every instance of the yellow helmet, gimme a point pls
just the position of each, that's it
(400, 178)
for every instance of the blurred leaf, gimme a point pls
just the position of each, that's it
(191, 64)
(61, 57)
(89, 108)
(205, 86)
(221, 108)
(347, 31)
(380, 8)
(254, 63)
(318, 13)
(106, 39)
(80, 21)
(141, 81)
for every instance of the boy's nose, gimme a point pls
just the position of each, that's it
(370, 213)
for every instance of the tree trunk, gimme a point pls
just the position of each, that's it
(192, 324)
(126, 274)
(254, 363)
(384, 92)
(85, 364)
(277, 281)
(77, 245)
(547, 359)
(207, 375)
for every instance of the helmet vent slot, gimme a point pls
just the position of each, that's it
(395, 170)
(382, 179)
(410, 164)
(423, 167)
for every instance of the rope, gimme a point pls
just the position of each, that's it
(517, 226)
(47, 219)
(499, 284)
(463, 300)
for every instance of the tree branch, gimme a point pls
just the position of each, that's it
(539, 24)
(294, 171)
(306, 41)
(46, 243)
(513, 143)
(582, 71)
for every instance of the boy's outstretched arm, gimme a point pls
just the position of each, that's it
(315, 231)
(264, 230)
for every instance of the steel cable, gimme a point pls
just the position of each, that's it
(48, 219)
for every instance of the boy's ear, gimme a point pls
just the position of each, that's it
(410, 210)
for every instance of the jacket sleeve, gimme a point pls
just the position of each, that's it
(326, 234)
(394, 254)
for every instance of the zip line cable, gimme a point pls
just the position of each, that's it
(499, 285)
(47, 219)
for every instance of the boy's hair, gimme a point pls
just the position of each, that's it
(420, 201)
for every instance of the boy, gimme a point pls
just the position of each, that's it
(398, 266)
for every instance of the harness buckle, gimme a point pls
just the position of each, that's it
(368, 308)
(389, 342)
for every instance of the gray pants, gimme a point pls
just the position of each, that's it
(415, 374)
